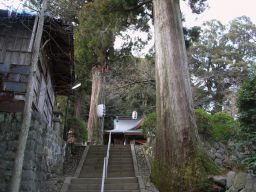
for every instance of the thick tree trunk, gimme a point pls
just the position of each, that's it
(78, 105)
(92, 124)
(177, 137)
(219, 98)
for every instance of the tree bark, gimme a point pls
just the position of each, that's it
(177, 137)
(78, 105)
(92, 123)
(219, 98)
(19, 159)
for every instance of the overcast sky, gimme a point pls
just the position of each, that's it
(222, 10)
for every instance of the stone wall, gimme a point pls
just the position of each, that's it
(218, 152)
(43, 155)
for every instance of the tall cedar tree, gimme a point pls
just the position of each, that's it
(179, 160)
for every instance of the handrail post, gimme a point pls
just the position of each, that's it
(105, 165)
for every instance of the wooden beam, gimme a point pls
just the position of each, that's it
(19, 159)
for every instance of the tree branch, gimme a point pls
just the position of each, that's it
(138, 6)
(150, 81)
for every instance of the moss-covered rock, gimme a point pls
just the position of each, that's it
(240, 180)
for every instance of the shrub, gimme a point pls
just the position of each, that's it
(223, 126)
(250, 161)
(219, 126)
(203, 121)
(246, 103)
(79, 127)
(149, 125)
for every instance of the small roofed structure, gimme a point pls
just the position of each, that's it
(127, 131)
(54, 70)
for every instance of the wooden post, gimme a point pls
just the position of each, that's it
(19, 159)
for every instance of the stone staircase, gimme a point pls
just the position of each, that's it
(121, 176)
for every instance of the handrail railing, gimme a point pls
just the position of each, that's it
(103, 175)
(105, 164)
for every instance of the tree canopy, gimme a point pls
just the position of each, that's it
(219, 60)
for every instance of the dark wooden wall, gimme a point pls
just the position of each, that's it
(15, 60)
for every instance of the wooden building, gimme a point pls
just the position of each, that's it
(54, 69)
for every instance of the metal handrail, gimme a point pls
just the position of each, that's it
(103, 175)
(105, 164)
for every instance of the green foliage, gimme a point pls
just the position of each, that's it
(191, 35)
(149, 125)
(250, 161)
(203, 121)
(242, 33)
(244, 152)
(80, 129)
(99, 24)
(220, 60)
(223, 126)
(246, 103)
(219, 126)
(197, 6)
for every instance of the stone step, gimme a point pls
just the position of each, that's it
(92, 166)
(99, 146)
(94, 159)
(120, 149)
(97, 173)
(123, 171)
(120, 152)
(108, 180)
(128, 164)
(108, 186)
(96, 154)
(120, 174)
(91, 175)
(110, 166)
(106, 190)
(120, 146)
(91, 171)
(120, 162)
(120, 166)
(123, 163)
(120, 156)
